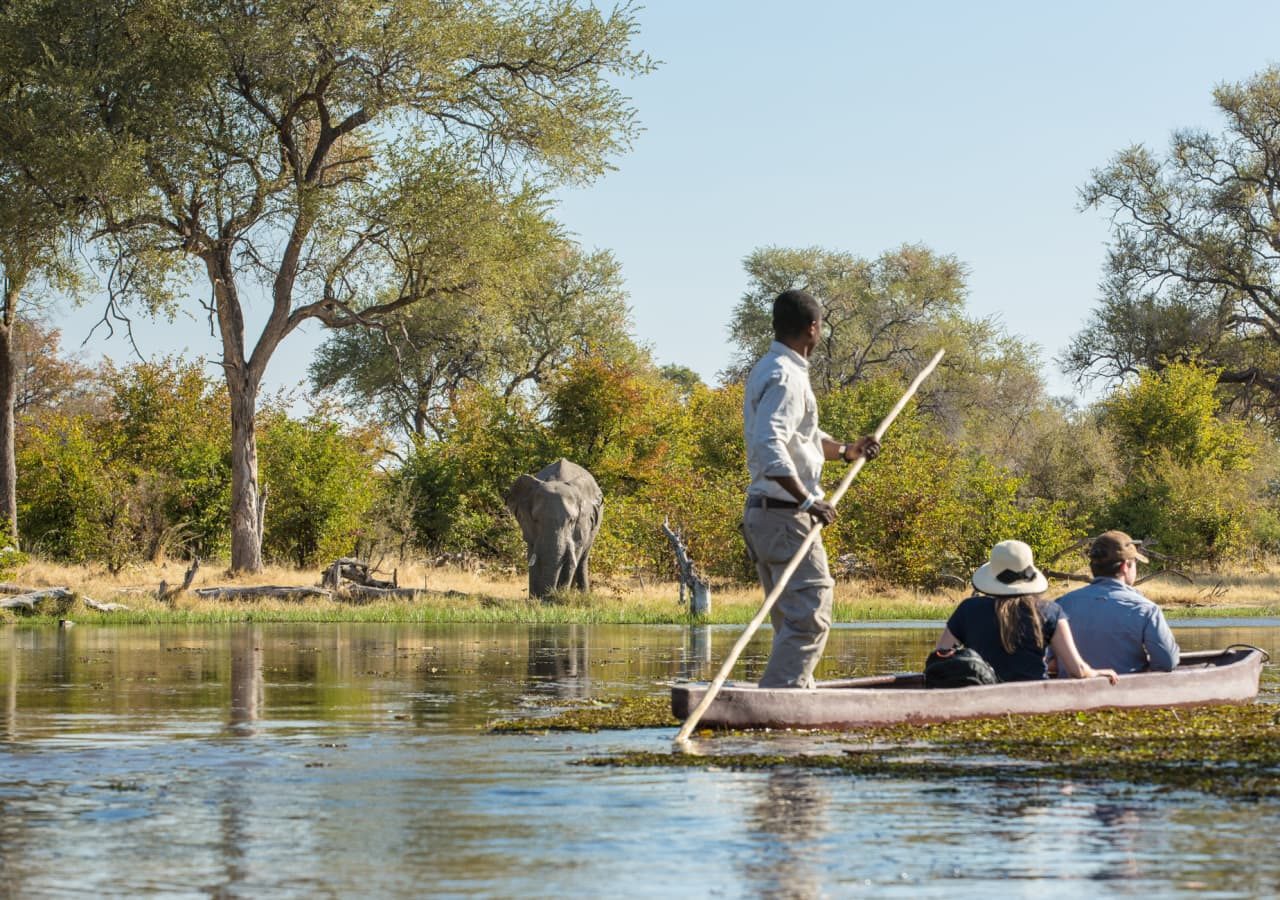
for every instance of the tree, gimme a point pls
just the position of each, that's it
(1192, 480)
(884, 318)
(1193, 270)
(46, 379)
(503, 336)
(37, 220)
(346, 159)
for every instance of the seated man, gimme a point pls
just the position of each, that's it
(1114, 626)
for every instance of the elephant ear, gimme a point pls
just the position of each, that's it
(518, 498)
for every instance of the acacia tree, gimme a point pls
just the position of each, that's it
(509, 334)
(344, 158)
(36, 224)
(1193, 270)
(882, 318)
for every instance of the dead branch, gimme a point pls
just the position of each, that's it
(1067, 576)
(356, 571)
(166, 595)
(699, 587)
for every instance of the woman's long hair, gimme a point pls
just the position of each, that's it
(1010, 618)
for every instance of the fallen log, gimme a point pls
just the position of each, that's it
(103, 607)
(264, 591)
(29, 599)
(363, 593)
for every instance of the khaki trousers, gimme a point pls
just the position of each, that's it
(802, 616)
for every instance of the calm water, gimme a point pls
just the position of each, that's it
(327, 760)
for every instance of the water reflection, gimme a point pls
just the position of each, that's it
(1120, 826)
(246, 679)
(559, 660)
(695, 661)
(787, 823)
(368, 772)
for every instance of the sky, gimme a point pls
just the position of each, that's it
(857, 126)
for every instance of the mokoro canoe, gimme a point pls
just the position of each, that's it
(1201, 679)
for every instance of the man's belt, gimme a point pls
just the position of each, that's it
(760, 501)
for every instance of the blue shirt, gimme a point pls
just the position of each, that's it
(780, 424)
(1115, 627)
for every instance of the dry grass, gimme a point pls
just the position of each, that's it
(454, 594)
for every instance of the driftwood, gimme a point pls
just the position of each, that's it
(102, 607)
(27, 601)
(357, 572)
(1067, 576)
(363, 593)
(259, 592)
(26, 598)
(699, 588)
(165, 594)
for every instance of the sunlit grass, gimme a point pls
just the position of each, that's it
(451, 595)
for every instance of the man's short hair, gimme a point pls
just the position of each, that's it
(1106, 568)
(793, 312)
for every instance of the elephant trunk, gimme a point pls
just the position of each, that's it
(551, 567)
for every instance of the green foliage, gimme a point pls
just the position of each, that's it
(1187, 473)
(1173, 413)
(11, 560)
(321, 483)
(168, 430)
(623, 422)
(69, 501)
(458, 483)
(926, 507)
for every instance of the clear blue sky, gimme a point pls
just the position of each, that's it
(859, 126)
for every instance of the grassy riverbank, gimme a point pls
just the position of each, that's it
(454, 595)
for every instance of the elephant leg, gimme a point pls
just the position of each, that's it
(582, 577)
(565, 575)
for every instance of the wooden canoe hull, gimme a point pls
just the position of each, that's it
(1201, 679)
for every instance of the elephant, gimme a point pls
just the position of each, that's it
(559, 514)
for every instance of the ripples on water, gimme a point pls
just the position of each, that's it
(351, 760)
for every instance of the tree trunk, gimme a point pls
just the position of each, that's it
(8, 461)
(246, 524)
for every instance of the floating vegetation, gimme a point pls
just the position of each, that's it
(650, 711)
(1231, 751)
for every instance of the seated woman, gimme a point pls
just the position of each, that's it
(1009, 624)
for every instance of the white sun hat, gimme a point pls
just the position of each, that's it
(1010, 572)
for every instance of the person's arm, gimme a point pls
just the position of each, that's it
(946, 644)
(848, 451)
(1069, 659)
(1162, 649)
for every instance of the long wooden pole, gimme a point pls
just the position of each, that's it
(692, 722)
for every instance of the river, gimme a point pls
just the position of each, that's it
(353, 760)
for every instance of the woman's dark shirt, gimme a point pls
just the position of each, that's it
(974, 624)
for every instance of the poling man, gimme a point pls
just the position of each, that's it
(785, 453)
